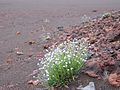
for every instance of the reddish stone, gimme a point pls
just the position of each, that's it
(114, 79)
(91, 74)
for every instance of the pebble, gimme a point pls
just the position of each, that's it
(19, 53)
(90, 86)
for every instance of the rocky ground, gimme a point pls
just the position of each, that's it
(103, 64)
(27, 29)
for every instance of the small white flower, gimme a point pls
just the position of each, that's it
(71, 68)
(66, 63)
(68, 69)
(69, 56)
(63, 66)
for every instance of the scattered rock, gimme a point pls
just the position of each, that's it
(31, 42)
(18, 33)
(10, 86)
(108, 29)
(34, 82)
(46, 46)
(30, 54)
(114, 79)
(91, 63)
(48, 37)
(34, 73)
(115, 36)
(19, 53)
(92, 74)
(40, 55)
(9, 61)
(90, 86)
(66, 86)
(61, 28)
(94, 10)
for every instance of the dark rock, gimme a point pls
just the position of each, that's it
(94, 11)
(31, 42)
(60, 28)
(46, 46)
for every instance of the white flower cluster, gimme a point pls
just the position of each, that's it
(62, 54)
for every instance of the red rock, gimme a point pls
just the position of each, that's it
(114, 79)
(90, 63)
(112, 62)
(18, 33)
(34, 82)
(40, 55)
(9, 61)
(92, 74)
(108, 29)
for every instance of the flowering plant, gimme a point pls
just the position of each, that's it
(61, 64)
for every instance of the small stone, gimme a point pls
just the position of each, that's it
(30, 55)
(34, 73)
(99, 78)
(18, 33)
(92, 40)
(19, 53)
(40, 55)
(17, 49)
(31, 42)
(108, 29)
(90, 86)
(66, 86)
(61, 28)
(94, 10)
(34, 82)
(10, 86)
(9, 61)
(48, 37)
(92, 74)
(114, 79)
(46, 46)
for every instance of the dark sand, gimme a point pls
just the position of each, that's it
(26, 17)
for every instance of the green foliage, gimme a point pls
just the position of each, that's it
(61, 64)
